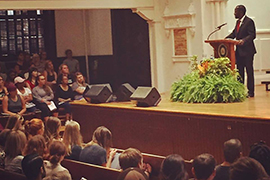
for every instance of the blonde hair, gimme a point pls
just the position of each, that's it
(14, 122)
(72, 135)
(15, 143)
(103, 137)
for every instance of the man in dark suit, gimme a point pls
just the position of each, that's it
(245, 33)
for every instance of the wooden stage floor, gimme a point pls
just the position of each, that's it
(186, 129)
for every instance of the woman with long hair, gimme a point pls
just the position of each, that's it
(173, 168)
(34, 127)
(49, 73)
(53, 168)
(43, 97)
(97, 150)
(13, 103)
(36, 145)
(64, 70)
(15, 122)
(31, 82)
(52, 129)
(13, 148)
(72, 139)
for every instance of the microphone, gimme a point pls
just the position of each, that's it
(220, 26)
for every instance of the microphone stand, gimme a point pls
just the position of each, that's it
(217, 29)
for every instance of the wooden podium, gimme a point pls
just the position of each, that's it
(224, 48)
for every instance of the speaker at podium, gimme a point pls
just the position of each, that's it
(98, 93)
(146, 96)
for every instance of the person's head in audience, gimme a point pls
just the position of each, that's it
(11, 76)
(20, 56)
(14, 122)
(43, 55)
(57, 151)
(12, 90)
(3, 137)
(19, 82)
(203, 167)
(34, 127)
(80, 78)
(68, 53)
(131, 157)
(103, 137)
(173, 168)
(36, 145)
(246, 168)
(63, 69)
(15, 144)
(63, 79)
(33, 168)
(27, 57)
(49, 66)
(52, 128)
(232, 150)
(35, 59)
(72, 135)
(33, 74)
(261, 152)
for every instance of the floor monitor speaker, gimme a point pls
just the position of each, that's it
(98, 93)
(124, 92)
(146, 96)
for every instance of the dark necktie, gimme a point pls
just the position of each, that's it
(238, 25)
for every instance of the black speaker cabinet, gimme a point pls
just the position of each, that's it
(98, 93)
(124, 92)
(146, 96)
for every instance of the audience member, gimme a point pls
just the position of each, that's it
(31, 82)
(15, 122)
(246, 168)
(36, 145)
(133, 174)
(232, 151)
(3, 89)
(10, 77)
(63, 69)
(3, 138)
(37, 63)
(13, 148)
(50, 74)
(53, 168)
(33, 168)
(261, 152)
(64, 95)
(79, 86)
(73, 140)
(26, 94)
(34, 127)
(27, 62)
(3, 70)
(173, 168)
(132, 157)
(13, 103)
(97, 150)
(43, 97)
(19, 67)
(52, 129)
(73, 64)
(203, 167)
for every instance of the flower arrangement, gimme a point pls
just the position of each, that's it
(212, 81)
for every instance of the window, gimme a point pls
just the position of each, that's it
(21, 31)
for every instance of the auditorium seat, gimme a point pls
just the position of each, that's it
(6, 175)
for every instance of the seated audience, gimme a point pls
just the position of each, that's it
(13, 148)
(52, 129)
(261, 152)
(246, 168)
(173, 168)
(72, 139)
(133, 173)
(73, 64)
(43, 97)
(3, 89)
(26, 93)
(10, 77)
(36, 145)
(15, 122)
(19, 67)
(13, 103)
(79, 86)
(64, 95)
(33, 167)
(27, 62)
(63, 69)
(34, 127)
(31, 82)
(203, 167)
(50, 74)
(3, 138)
(97, 150)
(132, 157)
(53, 168)
(232, 151)
(3, 71)
(37, 63)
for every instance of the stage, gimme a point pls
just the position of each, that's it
(173, 127)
